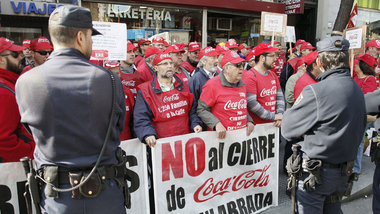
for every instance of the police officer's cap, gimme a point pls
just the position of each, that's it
(334, 43)
(72, 16)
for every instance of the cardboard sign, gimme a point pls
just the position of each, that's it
(290, 34)
(198, 173)
(12, 181)
(356, 36)
(273, 23)
(113, 41)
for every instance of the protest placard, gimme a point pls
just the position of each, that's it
(12, 181)
(198, 173)
(112, 45)
(273, 24)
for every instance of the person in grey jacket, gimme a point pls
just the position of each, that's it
(372, 101)
(329, 117)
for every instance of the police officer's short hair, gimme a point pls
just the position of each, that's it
(334, 59)
(64, 35)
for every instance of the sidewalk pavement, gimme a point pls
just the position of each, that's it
(361, 188)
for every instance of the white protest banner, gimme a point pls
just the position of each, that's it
(355, 38)
(12, 187)
(12, 181)
(273, 24)
(112, 45)
(198, 173)
(290, 34)
(137, 171)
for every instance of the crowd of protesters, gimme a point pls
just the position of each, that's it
(181, 88)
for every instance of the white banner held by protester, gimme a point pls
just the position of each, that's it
(12, 181)
(355, 38)
(112, 45)
(12, 187)
(290, 34)
(137, 171)
(273, 24)
(198, 173)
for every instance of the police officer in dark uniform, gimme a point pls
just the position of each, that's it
(329, 118)
(69, 105)
(373, 107)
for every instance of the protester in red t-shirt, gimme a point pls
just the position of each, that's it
(192, 58)
(223, 102)
(41, 49)
(365, 71)
(142, 46)
(265, 98)
(145, 68)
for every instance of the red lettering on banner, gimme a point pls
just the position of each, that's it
(209, 190)
(200, 154)
(175, 161)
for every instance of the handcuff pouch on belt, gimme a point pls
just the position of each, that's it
(91, 189)
(50, 174)
(314, 180)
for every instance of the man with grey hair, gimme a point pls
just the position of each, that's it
(74, 110)
(146, 68)
(208, 66)
(329, 119)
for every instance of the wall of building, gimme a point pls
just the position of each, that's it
(327, 13)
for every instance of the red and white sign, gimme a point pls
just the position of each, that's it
(294, 7)
(198, 173)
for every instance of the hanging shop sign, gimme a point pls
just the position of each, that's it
(123, 11)
(294, 7)
(28, 8)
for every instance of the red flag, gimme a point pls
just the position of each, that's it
(354, 13)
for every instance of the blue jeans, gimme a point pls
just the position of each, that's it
(358, 161)
(314, 202)
(110, 200)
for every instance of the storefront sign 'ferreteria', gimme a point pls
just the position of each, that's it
(140, 13)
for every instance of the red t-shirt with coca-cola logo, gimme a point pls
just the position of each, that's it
(129, 103)
(279, 64)
(131, 81)
(228, 104)
(265, 87)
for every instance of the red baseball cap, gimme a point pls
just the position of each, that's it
(207, 51)
(41, 43)
(264, 48)
(310, 58)
(166, 44)
(299, 42)
(26, 43)
(174, 49)
(150, 51)
(221, 49)
(373, 43)
(158, 39)
(368, 59)
(112, 64)
(231, 43)
(251, 54)
(193, 46)
(142, 41)
(6, 44)
(306, 45)
(242, 46)
(299, 63)
(130, 46)
(232, 57)
(181, 45)
(161, 56)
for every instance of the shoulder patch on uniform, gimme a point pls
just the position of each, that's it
(300, 97)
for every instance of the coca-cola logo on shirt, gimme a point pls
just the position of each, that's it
(242, 104)
(268, 92)
(171, 98)
(129, 83)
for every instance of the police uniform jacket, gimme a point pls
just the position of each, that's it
(66, 102)
(331, 115)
